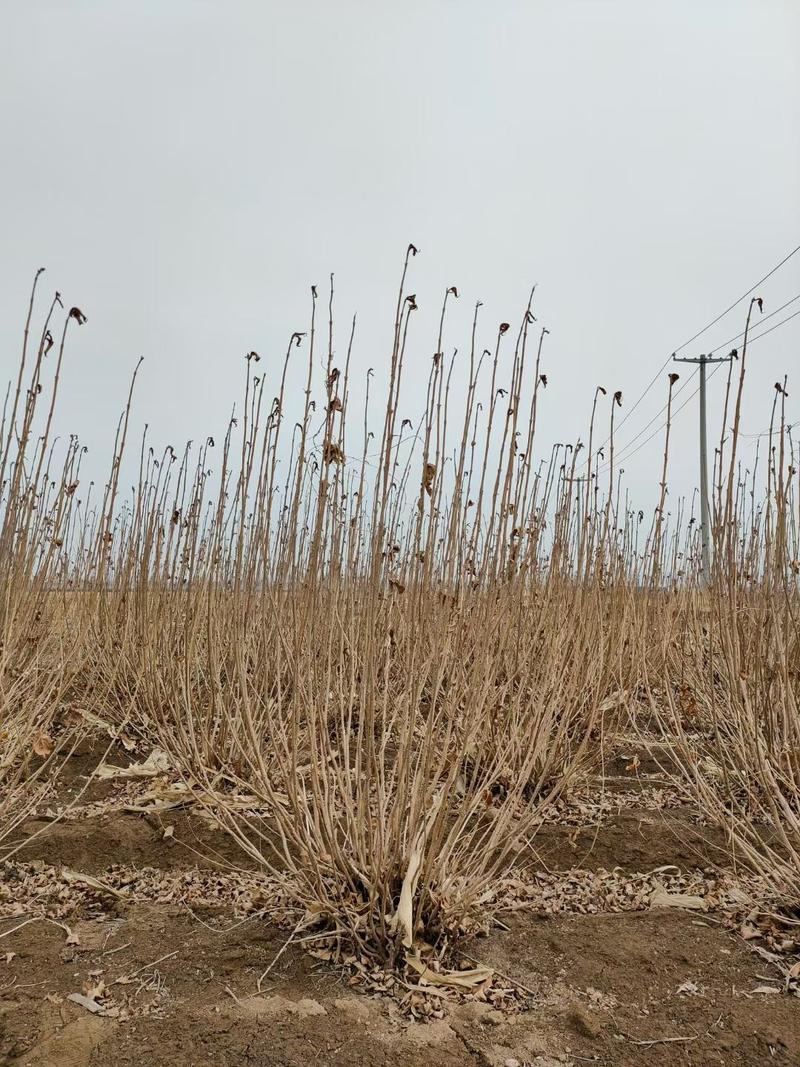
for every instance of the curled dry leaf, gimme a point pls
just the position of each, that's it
(662, 898)
(454, 979)
(76, 878)
(332, 453)
(127, 742)
(156, 763)
(403, 919)
(615, 700)
(95, 991)
(43, 744)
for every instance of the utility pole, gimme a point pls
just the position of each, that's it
(705, 522)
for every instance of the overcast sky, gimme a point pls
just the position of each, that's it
(187, 169)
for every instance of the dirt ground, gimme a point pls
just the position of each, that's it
(169, 982)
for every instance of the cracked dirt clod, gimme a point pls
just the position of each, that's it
(471, 1011)
(583, 1021)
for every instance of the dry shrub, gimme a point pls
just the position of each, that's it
(731, 707)
(395, 741)
(40, 648)
(735, 725)
(402, 656)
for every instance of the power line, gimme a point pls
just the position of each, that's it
(771, 315)
(766, 433)
(750, 341)
(764, 333)
(699, 333)
(657, 415)
(741, 298)
(658, 429)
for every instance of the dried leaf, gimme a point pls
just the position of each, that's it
(95, 992)
(156, 763)
(661, 898)
(43, 744)
(332, 453)
(454, 979)
(614, 700)
(404, 916)
(76, 878)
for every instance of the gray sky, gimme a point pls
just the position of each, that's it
(186, 170)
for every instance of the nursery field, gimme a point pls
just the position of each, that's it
(359, 736)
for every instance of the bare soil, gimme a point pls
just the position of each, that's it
(658, 986)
